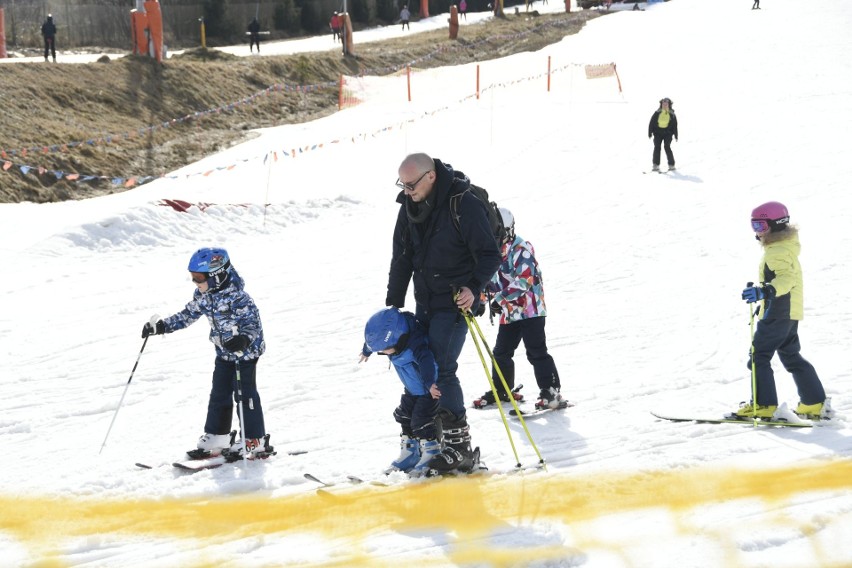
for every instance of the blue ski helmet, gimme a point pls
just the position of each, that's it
(386, 328)
(214, 262)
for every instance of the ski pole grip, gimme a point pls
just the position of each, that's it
(153, 321)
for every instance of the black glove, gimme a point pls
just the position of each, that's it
(158, 329)
(237, 343)
(496, 310)
(480, 309)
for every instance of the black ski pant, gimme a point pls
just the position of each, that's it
(220, 408)
(254, 40)
(664, 139)
(416, 415)
(782, 335)
(509, 336)
(49, 48)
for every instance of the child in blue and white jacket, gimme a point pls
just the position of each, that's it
(398, 335)
(237, 334)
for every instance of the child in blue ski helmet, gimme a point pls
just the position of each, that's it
(403, 340)
(237, 334)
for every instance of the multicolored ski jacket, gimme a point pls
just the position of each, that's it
(780, 267)
(415, 364)
(230, 311)
(517, 285)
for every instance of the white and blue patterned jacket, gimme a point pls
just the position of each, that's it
(230, 311)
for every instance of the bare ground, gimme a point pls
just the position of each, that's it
(96, 119)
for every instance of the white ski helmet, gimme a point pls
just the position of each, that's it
(508, 223)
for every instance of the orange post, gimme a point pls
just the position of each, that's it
(2, 35)
(340, 94)
(454, 22)
(424, 8)
(548, 73)
(567, 5)
(477, 81)
(408, 80)
(347, 34)
(155, 27)
(139, 32)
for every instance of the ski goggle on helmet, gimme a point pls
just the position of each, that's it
(771, 216)
(213, 264)
(386, 329)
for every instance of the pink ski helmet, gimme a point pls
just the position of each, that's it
(771, 216)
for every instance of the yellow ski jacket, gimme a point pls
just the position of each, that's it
(780, 268)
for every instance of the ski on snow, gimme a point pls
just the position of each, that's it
(528, 414)
(198, 460)
(746, 422)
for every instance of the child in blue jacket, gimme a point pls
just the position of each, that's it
(397, 334)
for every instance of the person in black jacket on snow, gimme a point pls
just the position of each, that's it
(450, 266)
(48, 30)
(254, 35)
(662, 127)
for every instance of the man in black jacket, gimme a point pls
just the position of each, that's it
(450, 266)
(48, 30)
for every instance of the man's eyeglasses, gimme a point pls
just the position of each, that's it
(759, 225)
(410, 186)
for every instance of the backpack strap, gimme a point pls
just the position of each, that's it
(455, 200)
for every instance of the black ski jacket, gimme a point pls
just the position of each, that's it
(439, 257)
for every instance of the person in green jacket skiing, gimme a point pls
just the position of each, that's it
(780, 292)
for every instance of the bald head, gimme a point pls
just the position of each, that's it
(417, 176)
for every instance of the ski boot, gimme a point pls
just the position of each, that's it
(549, 398)
(488, 398)
(428, 450)
(747, 411)
(210, 445)
(456, 453)
(409, 455)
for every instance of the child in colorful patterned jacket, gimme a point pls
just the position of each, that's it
(518, 298)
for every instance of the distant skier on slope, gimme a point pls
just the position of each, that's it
(662, 127)
(778, 328)
(397, 334)
(237, 334)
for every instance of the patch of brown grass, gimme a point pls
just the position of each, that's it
(118, 110)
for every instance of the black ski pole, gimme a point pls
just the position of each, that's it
(144, 343)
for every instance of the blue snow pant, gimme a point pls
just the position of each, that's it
(447, 332)
(509, 336)
(416, 415)
(782, 335)
(220, 408)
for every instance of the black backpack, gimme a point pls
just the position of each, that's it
(494, 217)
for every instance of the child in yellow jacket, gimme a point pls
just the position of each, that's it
(780, 291)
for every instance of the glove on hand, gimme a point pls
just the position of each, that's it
(157, 329)
(480, 309)
(237, 343)
(495, 308)
(753, 294)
